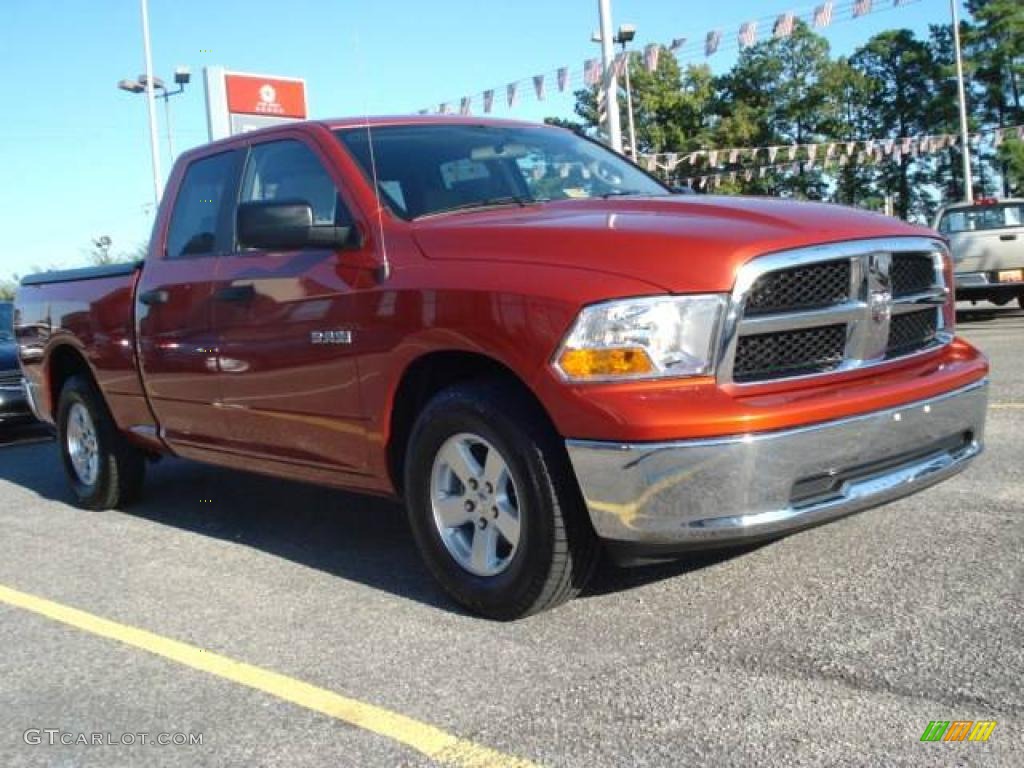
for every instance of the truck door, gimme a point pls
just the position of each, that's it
(173, 313)
(286, 324)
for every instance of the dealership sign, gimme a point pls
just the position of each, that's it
(237, 102)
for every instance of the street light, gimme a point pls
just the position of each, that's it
(182, 77)
(626, 34)
(965, 136)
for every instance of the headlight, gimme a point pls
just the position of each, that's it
(646, 338)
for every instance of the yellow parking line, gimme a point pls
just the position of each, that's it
(436, 744)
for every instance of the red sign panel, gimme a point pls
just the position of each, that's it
(248, 95)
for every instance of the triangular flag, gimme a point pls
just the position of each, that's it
(861, 8)
(772, 153)
(712, 41)
(677, 43)
(748, 34)
(488, 101)
(734, 155)
(651, 53)
(783, 26)
(793, 149)
(823, 15)
(563, 79)
(465, 105)
(510, 92)
(538, 86)
(592, 72)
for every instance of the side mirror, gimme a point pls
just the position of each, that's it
(286, 225)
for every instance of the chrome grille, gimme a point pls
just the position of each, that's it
(911, 332)
(912, 273)
(8, 378)
(789, 353)
(834, 308)
(806, 287)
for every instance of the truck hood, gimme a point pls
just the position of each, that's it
(678, 244)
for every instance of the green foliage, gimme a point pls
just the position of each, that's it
(792, 91)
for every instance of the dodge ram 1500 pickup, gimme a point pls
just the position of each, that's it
(530, 340)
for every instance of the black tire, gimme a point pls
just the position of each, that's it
(557, 548)
(121, 467)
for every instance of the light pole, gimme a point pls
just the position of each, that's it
(609, 82)
(625, 35)
(965, 137)
(151, 103)
(182, 77)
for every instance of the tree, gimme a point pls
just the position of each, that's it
(101, 252)
(778, 94)
(903, 76)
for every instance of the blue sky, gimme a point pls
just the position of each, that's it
(74, 149)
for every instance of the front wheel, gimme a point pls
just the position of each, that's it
(493, 503)
(104, 470)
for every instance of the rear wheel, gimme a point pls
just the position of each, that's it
(493, 503)
(105, 471)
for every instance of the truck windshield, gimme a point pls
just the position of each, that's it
(430, 169)
(981, 217)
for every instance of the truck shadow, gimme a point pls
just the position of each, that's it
(355, 537)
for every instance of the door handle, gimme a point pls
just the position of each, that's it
(236, 293)
(152, 298)
(1007, 237)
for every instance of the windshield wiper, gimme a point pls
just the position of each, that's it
(490, 202)
(619, 193)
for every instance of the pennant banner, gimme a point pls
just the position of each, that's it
(592, 73)
(830, 153)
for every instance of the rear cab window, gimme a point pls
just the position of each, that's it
(982, 217)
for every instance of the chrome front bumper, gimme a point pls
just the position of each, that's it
(704, 493)
(13, 402)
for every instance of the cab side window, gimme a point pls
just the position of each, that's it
(198, 209)
(288, 170)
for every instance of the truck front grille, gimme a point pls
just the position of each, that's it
(789, 353)
(10, 378)
(912, 273)
(807, 287)
(911, 332)
(834, 308)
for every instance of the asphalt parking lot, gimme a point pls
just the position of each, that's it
(835, 646)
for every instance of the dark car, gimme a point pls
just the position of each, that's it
(13, 404)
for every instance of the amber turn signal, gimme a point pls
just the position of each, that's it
(597, 363)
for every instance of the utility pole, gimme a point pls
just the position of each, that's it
(609, 82)
(151, 103)
(965, 137)
(629, 107)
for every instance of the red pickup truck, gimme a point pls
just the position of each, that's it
(537, 345)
